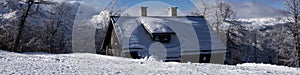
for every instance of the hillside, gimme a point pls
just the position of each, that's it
(84, 63)
(257, 23)
(260, 40)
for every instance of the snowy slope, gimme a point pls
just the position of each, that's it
(258, 23)
(83, 63)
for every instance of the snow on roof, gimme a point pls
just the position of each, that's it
(155, 25)
(192, 33)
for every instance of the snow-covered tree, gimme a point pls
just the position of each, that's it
(10, 13)
(279, 40)
(293, 10)
(48, 28)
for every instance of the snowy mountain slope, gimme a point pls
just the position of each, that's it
(258, 23)
(83, 63)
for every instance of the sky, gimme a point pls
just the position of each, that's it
(272, 3)
(258, 8)
(244, 8)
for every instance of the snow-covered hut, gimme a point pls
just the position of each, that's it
(170, 38)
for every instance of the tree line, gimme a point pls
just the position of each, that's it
(35, 27)
(276, 44)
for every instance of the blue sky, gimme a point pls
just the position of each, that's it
(258, 8)
(273, 3)
(244, 8)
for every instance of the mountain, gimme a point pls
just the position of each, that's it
(257, 23)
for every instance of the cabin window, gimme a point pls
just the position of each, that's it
(164, 38)
(156, 38)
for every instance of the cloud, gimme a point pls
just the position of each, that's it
(252, 9)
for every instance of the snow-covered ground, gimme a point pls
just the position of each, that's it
(84, 63)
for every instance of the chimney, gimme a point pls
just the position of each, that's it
(172, 11)
(143, 11)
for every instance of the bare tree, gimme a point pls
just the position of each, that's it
(57, 25)
(26, 13)
(293, 9)
(203, 8)
(21, 26)
(217, 12)
(223, 11)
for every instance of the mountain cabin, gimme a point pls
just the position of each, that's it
(169, 38)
